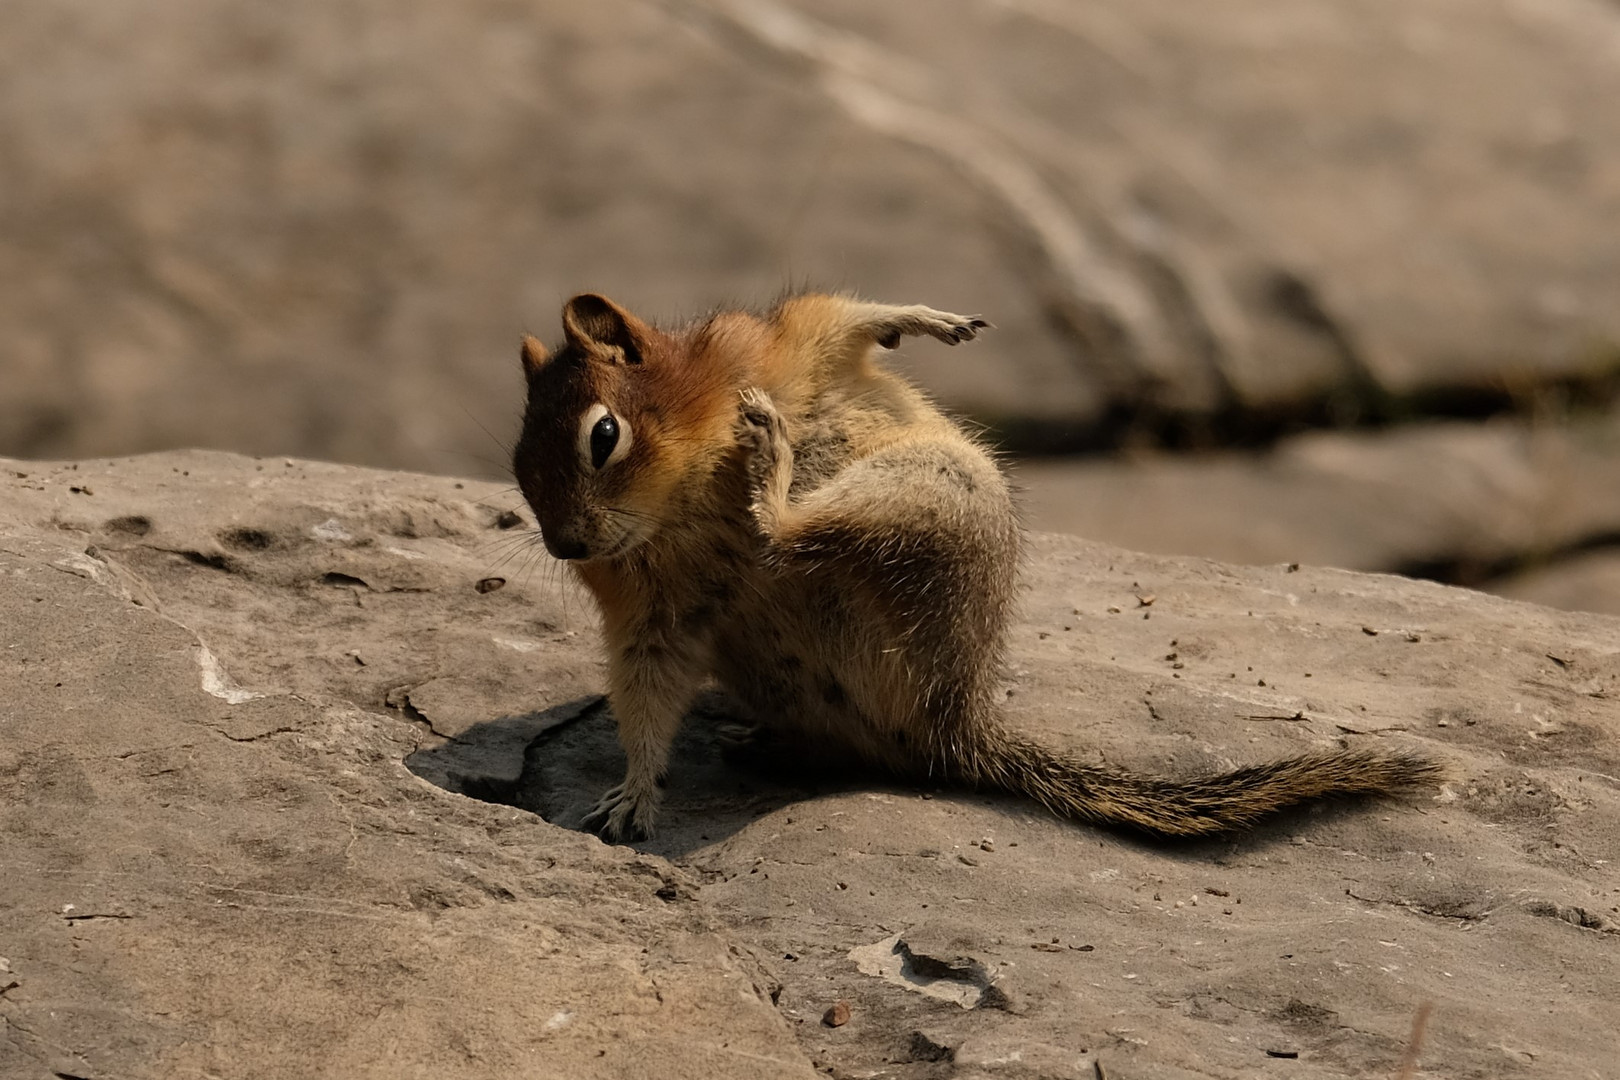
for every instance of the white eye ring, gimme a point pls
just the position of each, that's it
(587, 427)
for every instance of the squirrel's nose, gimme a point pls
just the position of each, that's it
(565, 547)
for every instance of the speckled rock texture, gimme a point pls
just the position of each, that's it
(291, 756)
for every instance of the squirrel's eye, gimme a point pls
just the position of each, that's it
(604, 437)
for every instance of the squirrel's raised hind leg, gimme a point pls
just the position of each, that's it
(886, 324)
(840, 330)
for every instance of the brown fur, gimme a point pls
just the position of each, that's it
(807, 529)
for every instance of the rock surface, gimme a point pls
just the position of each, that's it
(1524, 510)
(248, 700)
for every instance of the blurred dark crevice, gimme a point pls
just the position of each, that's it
(1356, 404)
(38, 433)
(1479, 572)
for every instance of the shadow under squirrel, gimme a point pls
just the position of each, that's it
(751, 498)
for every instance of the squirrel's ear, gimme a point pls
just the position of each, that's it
(535, 355)
(600, 326)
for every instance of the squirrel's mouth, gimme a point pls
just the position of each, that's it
(608, 547)
(618, 546)
(597, 534)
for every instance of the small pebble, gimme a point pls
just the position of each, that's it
(837, 1016)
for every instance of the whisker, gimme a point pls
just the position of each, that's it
(639, 515)
(506, 447)
(525, 571)
(510, 489)
(502, 467)
(512, 551)
(501, 549)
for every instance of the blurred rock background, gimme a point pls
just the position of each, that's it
(1331, 281)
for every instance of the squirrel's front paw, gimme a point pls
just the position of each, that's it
(762, 433)
(623, 815)
(760, 428)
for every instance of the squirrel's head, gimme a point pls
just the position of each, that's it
(622, 420)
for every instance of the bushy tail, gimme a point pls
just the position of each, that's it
(1201, 806)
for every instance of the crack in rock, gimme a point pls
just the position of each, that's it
(1585, 918)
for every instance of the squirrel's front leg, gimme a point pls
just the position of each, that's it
(651, 681)
(762, 433)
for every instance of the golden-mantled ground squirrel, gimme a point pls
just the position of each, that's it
(750, 498)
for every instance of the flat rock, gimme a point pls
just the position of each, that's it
(1503, 505)
(222, 866)
(250, 700)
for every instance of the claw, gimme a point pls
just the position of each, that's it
(596, 817)
(969, 328)
(620, 818)
(951, 329)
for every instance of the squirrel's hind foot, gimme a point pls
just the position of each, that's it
(917, 321)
